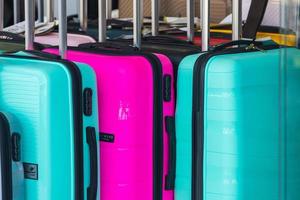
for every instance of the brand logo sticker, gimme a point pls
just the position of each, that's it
(31, 171)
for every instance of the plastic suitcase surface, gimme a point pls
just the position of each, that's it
(136, 103)
(11, 171)
(59, 128)
(222, 114)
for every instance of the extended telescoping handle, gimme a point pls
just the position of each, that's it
(205, 23)
(108, 9)
(29, 24)
(236, 19)
(63, 40)
(41, 10)
(102, 20)
(155, 7)
(190, 18)
(137, 23)
(1, 15)
(83, 15)
(17, 13)
(50, 10)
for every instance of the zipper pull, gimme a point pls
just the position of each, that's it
(253, 47)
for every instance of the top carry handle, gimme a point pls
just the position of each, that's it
(205, 21)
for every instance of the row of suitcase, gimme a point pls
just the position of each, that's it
(226, 104)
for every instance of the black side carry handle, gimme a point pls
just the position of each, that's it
(238, 43)
(92, 142)
(170, 178)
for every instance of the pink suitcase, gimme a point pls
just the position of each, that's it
(73, 39)
(136, 116)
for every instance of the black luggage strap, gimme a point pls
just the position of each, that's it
(255, 18)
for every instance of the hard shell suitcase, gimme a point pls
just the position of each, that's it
(221, 115)
(11, 168)
(55, 102)
(136, 97)
(136, 117)
(59, 136)
(227, 104)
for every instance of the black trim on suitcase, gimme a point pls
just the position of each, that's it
(92, 142)
(198, 113)
(5, 159)
(77, 117)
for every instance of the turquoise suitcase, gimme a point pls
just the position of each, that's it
(55, 102)
(227, 123)
(11, 168)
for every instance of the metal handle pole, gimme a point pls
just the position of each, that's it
(62, 14)
(1, 15)
(298, 24)
(191, 20)
(41, 10)
(205, 14)
(29, 24)
(155, 17)
(236, 19)
(83, 16)
(102, 20)
(108, 9)
(16, 11)
(50, 10)
(137, 22)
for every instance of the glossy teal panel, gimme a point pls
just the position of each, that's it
(38, 94)
(241, 127)
(290, 131)
(89, 81)
(184, 128)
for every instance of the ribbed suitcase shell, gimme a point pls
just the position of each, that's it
(11, 171)
(45, 96)
(73, 39)
(239, 129)
(129, 90)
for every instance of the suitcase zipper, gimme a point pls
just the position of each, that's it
(198, 114)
